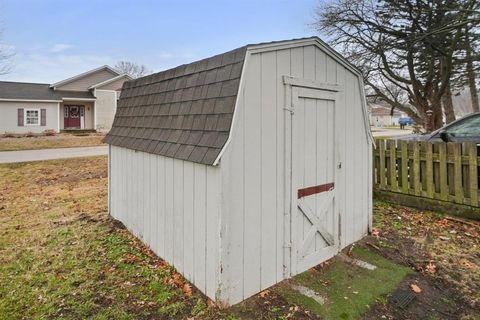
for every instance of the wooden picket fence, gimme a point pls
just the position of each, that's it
(439, 171)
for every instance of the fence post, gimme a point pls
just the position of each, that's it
(473, 173)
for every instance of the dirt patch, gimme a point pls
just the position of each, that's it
(267, 305)
(445, 253)
(436, 301)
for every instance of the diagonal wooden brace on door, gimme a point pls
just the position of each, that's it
(316, 223)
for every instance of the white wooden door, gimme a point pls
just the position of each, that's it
(314, 221)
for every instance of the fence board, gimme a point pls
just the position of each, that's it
(381, 168)
(404, 162)
(473, 166)
(442, 150)
(429, 169)
(416, 169)
(457, 169)
(393, 166)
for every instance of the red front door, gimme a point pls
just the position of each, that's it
(72, 115)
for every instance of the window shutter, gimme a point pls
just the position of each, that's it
(43, 117)
(20, 117)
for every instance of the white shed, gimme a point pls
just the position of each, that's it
(245, 168)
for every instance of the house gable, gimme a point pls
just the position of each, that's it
(84, 81)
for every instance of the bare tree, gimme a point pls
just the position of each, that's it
(407, 44)
(133, 69)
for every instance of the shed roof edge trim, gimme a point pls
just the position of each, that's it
(235, 109)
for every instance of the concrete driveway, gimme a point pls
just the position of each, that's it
(51, 154)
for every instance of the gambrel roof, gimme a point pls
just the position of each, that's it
(184, 113)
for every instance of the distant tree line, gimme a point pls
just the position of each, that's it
(414, 54)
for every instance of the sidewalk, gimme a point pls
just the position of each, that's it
(51, 154)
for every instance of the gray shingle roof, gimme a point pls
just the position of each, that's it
(184, 112)
(36, 91)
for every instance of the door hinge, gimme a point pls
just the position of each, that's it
(287, 245)
(339, 165)
(291, 110)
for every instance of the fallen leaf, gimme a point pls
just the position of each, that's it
(187, 289)
(177, 279)
(467, 264)
(415, 288)
(430, 268)
(264, 293)
(375, 233)
(210, 304)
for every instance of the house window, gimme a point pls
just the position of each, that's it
(32, 117)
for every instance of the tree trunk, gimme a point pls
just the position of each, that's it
(471, 75)
(448, 105)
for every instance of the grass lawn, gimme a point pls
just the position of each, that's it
(349, 290)
(63, 257)
(49, 142)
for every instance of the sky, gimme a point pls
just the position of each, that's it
(54, 40)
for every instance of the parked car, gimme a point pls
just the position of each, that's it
(406, 121)
(466, 129)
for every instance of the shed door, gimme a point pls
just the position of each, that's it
(314, 222)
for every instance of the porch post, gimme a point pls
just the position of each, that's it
(60, 113)
(95, 110)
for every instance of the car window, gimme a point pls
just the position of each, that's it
(468, 128)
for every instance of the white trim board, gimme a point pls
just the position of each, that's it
(79, 99)
(28, 100)
(124, 75)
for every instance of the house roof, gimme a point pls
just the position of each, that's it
(37, 91)
(184, 113)
(81, 75)
(379, 110)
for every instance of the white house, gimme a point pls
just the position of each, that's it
(86, 101)
(245, 168)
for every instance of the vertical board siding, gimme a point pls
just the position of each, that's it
(173, 206)
(253, 167)
(253, 182)
(268, 174)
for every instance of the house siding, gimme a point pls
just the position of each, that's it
(9, 114)
(106, 106)
(115, 85)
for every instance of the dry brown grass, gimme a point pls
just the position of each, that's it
(49, 142)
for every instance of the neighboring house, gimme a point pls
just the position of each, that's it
(382, 116)
(85, 101)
